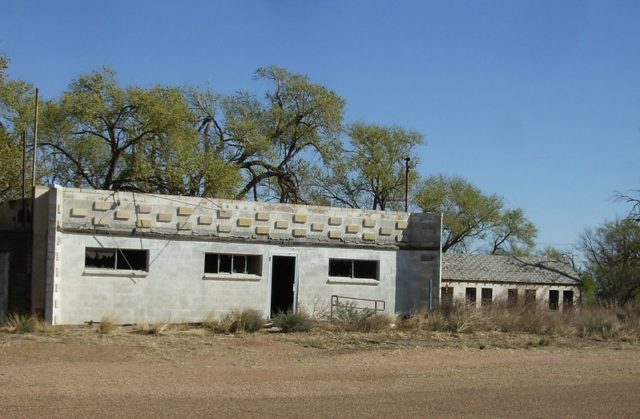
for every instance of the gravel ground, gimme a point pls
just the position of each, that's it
(195, 374)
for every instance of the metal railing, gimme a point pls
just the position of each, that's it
(378, 305)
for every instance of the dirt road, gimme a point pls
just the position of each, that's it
(267, 376)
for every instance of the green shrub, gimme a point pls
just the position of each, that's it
(290, 321)
(24, 323)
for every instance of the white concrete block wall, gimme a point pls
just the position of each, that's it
(174, 289)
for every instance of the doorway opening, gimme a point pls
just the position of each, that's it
(283, 277)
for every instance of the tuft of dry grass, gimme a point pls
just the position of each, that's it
(24, 323)
(106, 325)
(150, 329)
(236, 321)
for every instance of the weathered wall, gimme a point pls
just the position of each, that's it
(500, 291)
(176, 289)
(15, 240)
(4, 285)
(178, 231)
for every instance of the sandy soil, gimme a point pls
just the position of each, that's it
(266, 375)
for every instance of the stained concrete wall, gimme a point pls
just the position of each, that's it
(178, 231)
(500, 291)
(4, 285)
(15, 240)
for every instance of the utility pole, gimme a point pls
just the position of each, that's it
(35, 141)
(406, 184)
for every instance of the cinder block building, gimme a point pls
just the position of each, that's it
(76, 255)
(479, 280)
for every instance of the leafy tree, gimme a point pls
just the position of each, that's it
(105, 136)
(274, 142)
(612, 253)
(471, 217)
(371, 173)
(17, 100)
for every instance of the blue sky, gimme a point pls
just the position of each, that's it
(537, 101)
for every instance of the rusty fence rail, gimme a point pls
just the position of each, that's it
(336, 300)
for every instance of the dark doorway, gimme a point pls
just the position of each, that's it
(283, 276)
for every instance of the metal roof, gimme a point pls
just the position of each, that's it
(494, 268)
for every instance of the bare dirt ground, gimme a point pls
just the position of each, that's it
(193, 373)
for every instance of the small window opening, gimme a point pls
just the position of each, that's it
(553, 299)
(512, 297)
(120, 259)
(567, 299)
(470, 296)
(215, 263)
(486, 298)
(529, 297)
(353, 268)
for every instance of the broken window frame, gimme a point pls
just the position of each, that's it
(123, 259)
(232, 264)
(355, 268)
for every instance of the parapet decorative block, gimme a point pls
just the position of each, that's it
(352, 228)
(78, 212)
(122, 215)
(299, 218)
(184, 225)
(205, 220)
(368, 236)
(317, 226)
(164, 217)
(368, 223)
(385, 231)
(262, 230)
(262, 216)
(143, 208)
(100, 222)
(144, 223)
(401, 225)
(101, 206)
(282, 224)
(299, 232)
(244, 222)
(224, 228)
(335, 221)
(224, 214)
(185, 211)
(334, 234)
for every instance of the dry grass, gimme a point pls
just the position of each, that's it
(24, 323)
(107, 324)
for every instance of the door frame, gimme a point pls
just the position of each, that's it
(285, 253)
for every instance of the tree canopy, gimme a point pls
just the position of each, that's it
(473, 220)
(370, 172)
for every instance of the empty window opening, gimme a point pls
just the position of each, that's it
(529, 297)
(553, 299)
(121, 259)
(216, 263)
(446, 295)
(512, 297)
(353, 268)
(486, 298)
(470, 296)
(567, 299)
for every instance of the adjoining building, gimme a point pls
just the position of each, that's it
(82, 254)
(479, 280)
